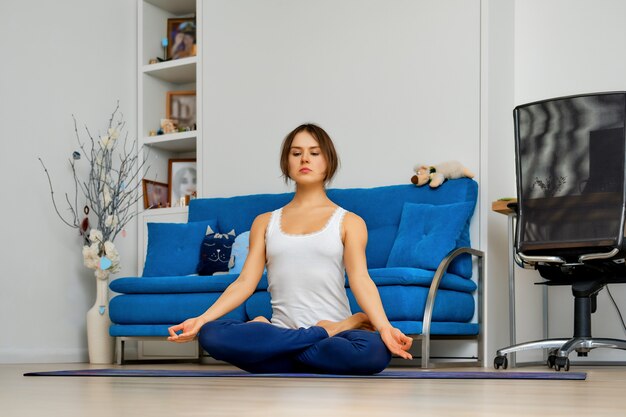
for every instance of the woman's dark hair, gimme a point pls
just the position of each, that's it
(326, 146)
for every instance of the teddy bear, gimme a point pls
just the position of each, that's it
(435, 175)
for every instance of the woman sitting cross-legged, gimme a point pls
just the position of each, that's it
(307, 246)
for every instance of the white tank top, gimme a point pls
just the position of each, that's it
(306, 273)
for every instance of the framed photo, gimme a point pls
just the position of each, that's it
(181, 107)
(181, 37)
(155, 194)
(183, 181)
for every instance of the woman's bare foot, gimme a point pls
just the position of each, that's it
(260, 319)
(355, 321)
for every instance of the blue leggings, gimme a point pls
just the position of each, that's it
(259, 347)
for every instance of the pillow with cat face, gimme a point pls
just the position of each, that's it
(215, 252)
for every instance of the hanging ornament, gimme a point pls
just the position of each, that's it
(76, 155)
(123, 232)
(105, 263)
(84, 225)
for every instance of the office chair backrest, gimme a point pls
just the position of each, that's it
(570, 155)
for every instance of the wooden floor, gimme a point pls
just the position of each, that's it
(602, 394)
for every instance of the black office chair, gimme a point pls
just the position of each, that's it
(570, 159)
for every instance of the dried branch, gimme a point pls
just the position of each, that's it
(110, 190)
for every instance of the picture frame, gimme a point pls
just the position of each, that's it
(181, 37)
(182, 178)
(155, 194)
(181, 107)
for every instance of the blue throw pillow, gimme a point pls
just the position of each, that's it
(427, 233)
(173, 248)
(215, 252)
(239, 253)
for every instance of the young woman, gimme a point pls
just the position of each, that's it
(307, 246)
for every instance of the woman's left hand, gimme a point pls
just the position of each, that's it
(397, 342)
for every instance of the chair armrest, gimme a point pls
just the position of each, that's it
(441, 270)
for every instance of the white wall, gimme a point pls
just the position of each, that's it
(565, 47)
(58, 58)
(497, 162)
(393, 83)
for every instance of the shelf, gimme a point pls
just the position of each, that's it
(178, 71)
(164, 211)
(174, 142)
(178, 7)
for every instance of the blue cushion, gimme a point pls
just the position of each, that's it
(164, 308)
(174, 248)
(427, 233)
(239, 252)
(177, 285)
(402, 302)
(215, 252)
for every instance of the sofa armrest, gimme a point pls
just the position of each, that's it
(432, 293)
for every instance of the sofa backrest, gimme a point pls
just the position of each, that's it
(380, 207)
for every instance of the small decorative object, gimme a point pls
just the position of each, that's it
(181, 39)
(155, 194)
(153, 61)
(181, 106)
(215, 252)
(152, 133)
(168, 125)
(182, 180)
(110, 203)
(164, 43)
(435, 175)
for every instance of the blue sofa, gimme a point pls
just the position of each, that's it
(418, 255)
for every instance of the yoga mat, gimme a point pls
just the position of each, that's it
(383, 375)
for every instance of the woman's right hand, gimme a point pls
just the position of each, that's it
(190, 328)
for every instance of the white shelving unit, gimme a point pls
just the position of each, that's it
(153, 83)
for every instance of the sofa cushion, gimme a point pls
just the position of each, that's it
(164, 308)
(218, 283)
(174, 248)
(215, 252)
(239, 252)
(420, 277)
(177, 285)
(403, 302)
(427, 233)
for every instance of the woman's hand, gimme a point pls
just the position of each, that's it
(397, 342)
(190, 329)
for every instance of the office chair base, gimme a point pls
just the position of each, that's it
(559, 350)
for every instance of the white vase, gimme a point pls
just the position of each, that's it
(100, 344)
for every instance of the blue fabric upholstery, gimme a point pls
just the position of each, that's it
(427, 233)
(239, 252)
(164, 308)
(407, 327)
(218, 283)
(148, 306)
(380, 207)
(174, 248)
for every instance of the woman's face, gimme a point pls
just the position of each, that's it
(307, 163)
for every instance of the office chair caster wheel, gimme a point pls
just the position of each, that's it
(500, 361)
(551, 358)
(561, 363)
